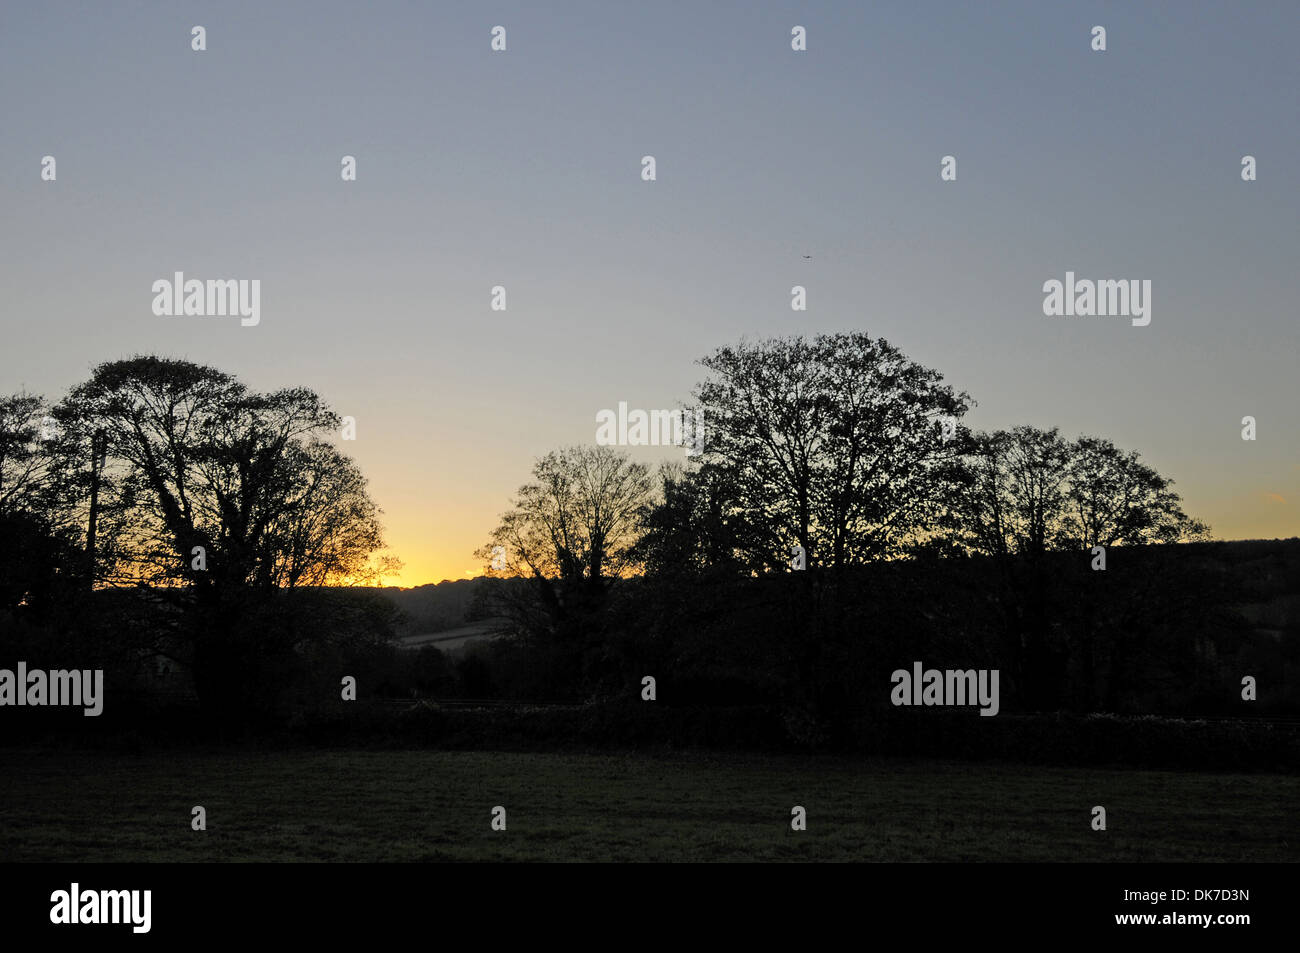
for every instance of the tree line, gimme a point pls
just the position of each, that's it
(842, 447)
(821, 458)
(213, 505)
(195, 500)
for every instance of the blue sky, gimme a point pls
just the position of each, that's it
(522, 169)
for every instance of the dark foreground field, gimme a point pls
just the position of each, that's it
(416, 805)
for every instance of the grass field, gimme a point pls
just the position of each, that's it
(303, 805)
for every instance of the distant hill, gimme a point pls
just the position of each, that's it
(1270, 565)
(438, 607)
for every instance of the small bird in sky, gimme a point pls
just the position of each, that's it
(809, 257)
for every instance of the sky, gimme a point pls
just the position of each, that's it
(522, 169)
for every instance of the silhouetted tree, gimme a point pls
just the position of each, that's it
(693, 525)
(1116, 499)
(571, 532)
(577, 521)
(39, 562)
(23, 460)
(194, 459)
(206, 462)
(835, 443)
(1027, 492)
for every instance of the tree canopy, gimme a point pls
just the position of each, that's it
(193, 458)
(838, 443)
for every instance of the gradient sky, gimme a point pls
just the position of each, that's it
(523, 169)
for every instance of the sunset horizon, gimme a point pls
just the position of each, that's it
(737, 433)
(474, 302)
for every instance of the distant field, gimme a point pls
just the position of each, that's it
(451, 639)
(423, 806)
